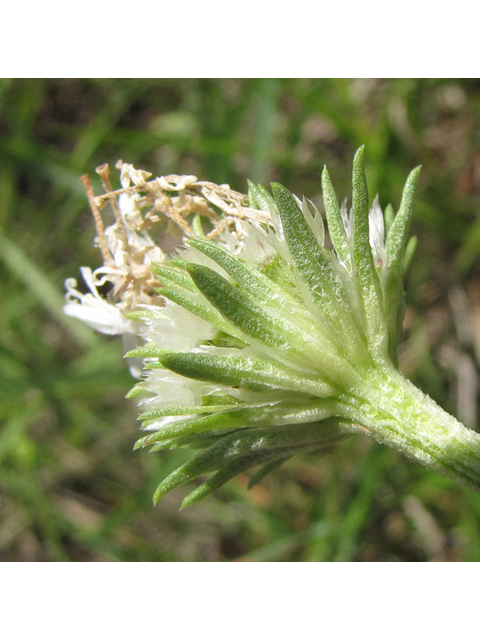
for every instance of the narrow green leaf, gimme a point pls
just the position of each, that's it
(223, 420)
(180, 264)
(248, 373)
(389, 216)
(226, 473)
(143, 315)
(149, 350)
(161, 412)
(322, 284)
(242, 312)
(336, 229)
(250, 280)
(169, 276)
(247, 442)
(197, 308)
(398, 262)
(360, 206)
(197, 227)
(234, 467)
(200, 440)
(250, 416)
(161, 446)
(364, 267)
(263, 200)
(397, 237)
(309, 257)
(136, 390)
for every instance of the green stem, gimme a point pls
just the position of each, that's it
(397, 414)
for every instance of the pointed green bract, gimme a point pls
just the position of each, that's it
(226, 472)
(236, 307)
(170, 276)
(197, 308)
(241, 445)
(364, 268)
(149, 350)
(320, 278)
(259, 198)
(397, 235)
(239, 309)
(248, 373)
(295, 412)
(336, 229)
(182, 411)
(398, 260)
(242, 450)
(389, 218)
(252, 281)
(198, 228)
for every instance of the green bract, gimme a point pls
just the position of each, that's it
(263, 343)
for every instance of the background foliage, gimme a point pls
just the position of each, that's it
(71, 488)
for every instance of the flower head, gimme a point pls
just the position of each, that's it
(259, 341)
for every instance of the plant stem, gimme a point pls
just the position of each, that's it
(401, 416)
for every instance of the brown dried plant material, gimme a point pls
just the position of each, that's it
(142, 204)
(192, 197)
(146, 215)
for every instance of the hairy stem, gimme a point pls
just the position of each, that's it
(397, 414)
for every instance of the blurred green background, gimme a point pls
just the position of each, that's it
(70, 486)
